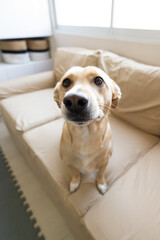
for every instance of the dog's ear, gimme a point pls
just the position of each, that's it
(116, 94)
(56, 94)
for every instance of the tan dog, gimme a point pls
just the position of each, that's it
(85, 96)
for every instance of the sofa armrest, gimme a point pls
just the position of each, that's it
(27, 84)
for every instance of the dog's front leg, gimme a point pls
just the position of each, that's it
(75, 181)
(101, 182)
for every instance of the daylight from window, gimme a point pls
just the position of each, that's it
(127, 14)
(137, 14)
(90, 13)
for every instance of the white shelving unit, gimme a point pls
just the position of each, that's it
(12, 71)
(20, 19)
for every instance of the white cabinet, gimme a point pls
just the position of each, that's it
(24, 18)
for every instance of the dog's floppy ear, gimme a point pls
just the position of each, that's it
(116, 94)
(56, 94)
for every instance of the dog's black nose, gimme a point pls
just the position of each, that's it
(75, 103)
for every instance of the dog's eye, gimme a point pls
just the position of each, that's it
(66, 82)
(98, 81)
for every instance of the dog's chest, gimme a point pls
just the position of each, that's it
(82, 141)
(84, 149)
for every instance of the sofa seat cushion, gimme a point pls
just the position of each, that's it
(29, 110)
(131, 209)
(139, 83)
(129, 144)
(43, 142)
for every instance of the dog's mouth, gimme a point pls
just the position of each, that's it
(79, 123)
(81, 119)
(78, 119)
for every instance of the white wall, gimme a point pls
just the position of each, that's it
(148, 53)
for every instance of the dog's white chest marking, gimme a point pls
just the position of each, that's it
(83, 148)
(84, 140)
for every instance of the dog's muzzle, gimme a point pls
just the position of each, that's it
(77, 107)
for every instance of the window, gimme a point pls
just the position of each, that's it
(131, 19)
(137, 14)
(87, 13)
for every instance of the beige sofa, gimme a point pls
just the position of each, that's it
(131, 207)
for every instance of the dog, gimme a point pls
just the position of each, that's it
(85, 97)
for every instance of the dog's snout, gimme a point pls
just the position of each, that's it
(75, 103)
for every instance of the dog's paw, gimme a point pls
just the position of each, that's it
(73, 186)
(102, 188)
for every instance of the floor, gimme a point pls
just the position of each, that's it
(48, 217)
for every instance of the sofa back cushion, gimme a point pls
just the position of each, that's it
(27, 84)
(67, 57)
(29, 110)
(140, 86)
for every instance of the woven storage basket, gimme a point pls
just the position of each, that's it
(38, 49)
(14, 51)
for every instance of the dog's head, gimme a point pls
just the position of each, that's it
(86, 94)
